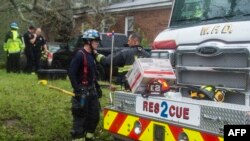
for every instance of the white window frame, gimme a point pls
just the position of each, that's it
(127, 20)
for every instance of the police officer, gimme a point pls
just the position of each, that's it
(39, 47)
(29, 40)
(82, 74)
(125, 58)
(13, 45)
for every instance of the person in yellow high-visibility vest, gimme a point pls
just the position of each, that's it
(13, 46)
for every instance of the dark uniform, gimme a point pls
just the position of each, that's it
(85, 105)
(124, 59)
(28, 51)
(37, 51)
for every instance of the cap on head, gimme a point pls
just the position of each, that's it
(13, 25)
(91, 34)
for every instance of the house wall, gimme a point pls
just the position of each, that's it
(150, 22)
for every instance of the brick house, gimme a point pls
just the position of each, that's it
(149, 17)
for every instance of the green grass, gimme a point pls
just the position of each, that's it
(29, 111)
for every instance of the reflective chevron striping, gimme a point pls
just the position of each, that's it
(149, 132)
(105, 112)
(176, 130)
(145, 123)
(209, 137)
(117, 122)
(123, 124)
(127, 125)
(109, 117)
(193, 135)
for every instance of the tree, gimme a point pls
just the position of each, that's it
(56, 17)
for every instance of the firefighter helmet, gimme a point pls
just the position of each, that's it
(208, 91)
(91, 34)
(219, 95)
(158, 86)
(213, 93)
(14, 25)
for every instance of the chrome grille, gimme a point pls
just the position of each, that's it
(228, 69)
(234, 60)
(219, 79)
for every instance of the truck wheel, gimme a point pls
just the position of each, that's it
(56, 65)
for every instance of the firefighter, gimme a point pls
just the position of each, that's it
(82, 74)
(13, 45)
(125, 58)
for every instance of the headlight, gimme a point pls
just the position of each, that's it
(183, 137)
(137, 127)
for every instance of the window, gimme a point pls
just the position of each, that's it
(193, 12)
(129, 25)
(164, 55)
(154, 55)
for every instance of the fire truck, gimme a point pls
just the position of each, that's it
(211, 42)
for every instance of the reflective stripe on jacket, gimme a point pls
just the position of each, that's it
(124, 59)
(13, 42)
(125, 68)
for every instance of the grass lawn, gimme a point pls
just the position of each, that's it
(29, 111)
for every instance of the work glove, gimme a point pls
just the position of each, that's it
(99, 92)
(98, 56)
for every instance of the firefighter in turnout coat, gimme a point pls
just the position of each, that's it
(125, 58)
(82, 74)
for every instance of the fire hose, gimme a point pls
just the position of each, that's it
(45, 83)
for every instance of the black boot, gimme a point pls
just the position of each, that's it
(76, 135)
